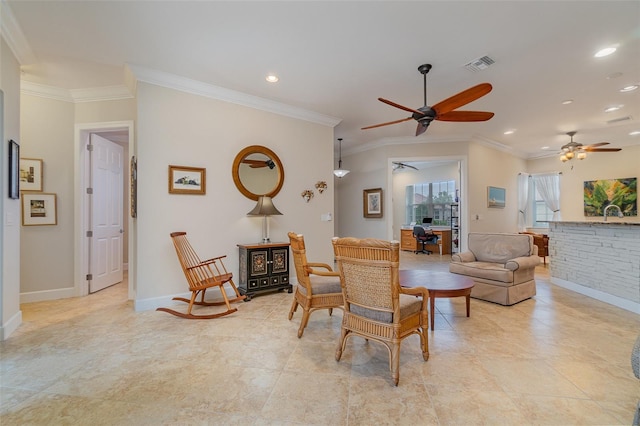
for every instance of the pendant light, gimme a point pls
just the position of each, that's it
(340, 172)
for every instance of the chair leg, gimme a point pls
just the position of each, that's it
(294, 307)
(303, 323)
(395, 363)
(192, 302)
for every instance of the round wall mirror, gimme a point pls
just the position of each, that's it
(257, 171)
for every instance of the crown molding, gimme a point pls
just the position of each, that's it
(93, 94)
(187, 85)
(12, 34)
(105, 93)
(44, 91)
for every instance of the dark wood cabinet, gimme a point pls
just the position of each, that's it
(263, 267)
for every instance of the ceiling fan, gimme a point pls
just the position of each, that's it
(444, 110)
(575, 149)
(398, 165)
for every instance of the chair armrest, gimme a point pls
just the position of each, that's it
(311, 271)
(417, 291)
(524, 262)
(212, 260)
(319, 265)
(465, 256)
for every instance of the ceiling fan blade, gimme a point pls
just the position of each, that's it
(465, 116)
(462, 98)
(387, 123)
(422, 128)
(254, 164)
(393, 104)
(588, 149)
(593, 145)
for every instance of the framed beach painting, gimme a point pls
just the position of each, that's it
(496, 197)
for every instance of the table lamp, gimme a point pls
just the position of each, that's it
(264, 208)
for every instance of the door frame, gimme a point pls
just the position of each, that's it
(463, 165)
(81, 208)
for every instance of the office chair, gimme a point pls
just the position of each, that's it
(423, 238)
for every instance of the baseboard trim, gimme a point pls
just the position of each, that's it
(598, 295)
(10, 326)
(41, 296)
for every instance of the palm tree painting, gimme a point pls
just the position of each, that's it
(598, 194)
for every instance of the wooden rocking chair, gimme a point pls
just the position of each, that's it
(202, 275)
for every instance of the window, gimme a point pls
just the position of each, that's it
(430, 199)
(540, 212)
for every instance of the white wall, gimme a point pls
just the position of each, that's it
(10, 313)
(609, 165)
(184, 129)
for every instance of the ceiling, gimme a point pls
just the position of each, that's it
(337, 57)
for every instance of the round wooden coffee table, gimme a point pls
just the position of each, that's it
(439, 284)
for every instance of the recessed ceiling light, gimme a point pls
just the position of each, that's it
(635, 133)
(509, 132)
(605, 52)
(613, 108)
(271, 78)
(544, 147)
(629, 88)
(567, 101)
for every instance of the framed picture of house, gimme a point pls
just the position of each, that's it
(39, 208)
(30, 174)
(496, 197)
(372, 203)
(187, 180)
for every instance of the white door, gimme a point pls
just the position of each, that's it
(105, 264)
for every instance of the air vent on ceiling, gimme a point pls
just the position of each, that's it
(618, 120)
(479, 64)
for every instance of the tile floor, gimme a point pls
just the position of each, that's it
(558, 359)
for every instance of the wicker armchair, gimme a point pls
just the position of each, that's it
(376, 307)
(317, 288)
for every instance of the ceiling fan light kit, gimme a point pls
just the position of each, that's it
(444, 110)
(577, 150)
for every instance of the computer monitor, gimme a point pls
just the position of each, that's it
(427, 220)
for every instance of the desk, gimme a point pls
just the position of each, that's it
(439, 284)
(408, 241)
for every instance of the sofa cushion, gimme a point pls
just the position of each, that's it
(499, 248)
(486, 270)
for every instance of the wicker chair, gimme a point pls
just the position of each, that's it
(376, 307)
(316, 289)
(201, 275)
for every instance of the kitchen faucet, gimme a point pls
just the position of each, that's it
(608, 207)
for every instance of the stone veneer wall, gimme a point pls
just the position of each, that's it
(599, 259)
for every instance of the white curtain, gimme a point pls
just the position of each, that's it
(548, 187)
(523, 200)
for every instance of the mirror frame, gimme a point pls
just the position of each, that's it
(256, 149)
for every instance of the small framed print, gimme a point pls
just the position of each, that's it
(187, 180)
(39, 208)
(30, 174)
(372, 202)
(496, 197)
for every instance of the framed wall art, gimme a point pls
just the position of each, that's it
(133, 191)
(39, 208)
(496, 197)
(14, 170)
(372, 202)
(187, 180)
(30, 174)
(622, 192)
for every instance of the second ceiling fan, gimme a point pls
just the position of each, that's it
(444, 110)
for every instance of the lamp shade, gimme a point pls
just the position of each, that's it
(340, 172)
(264, 207)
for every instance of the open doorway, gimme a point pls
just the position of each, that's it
(412, 172)
(99, 257)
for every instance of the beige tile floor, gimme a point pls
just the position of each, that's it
(558, 359)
